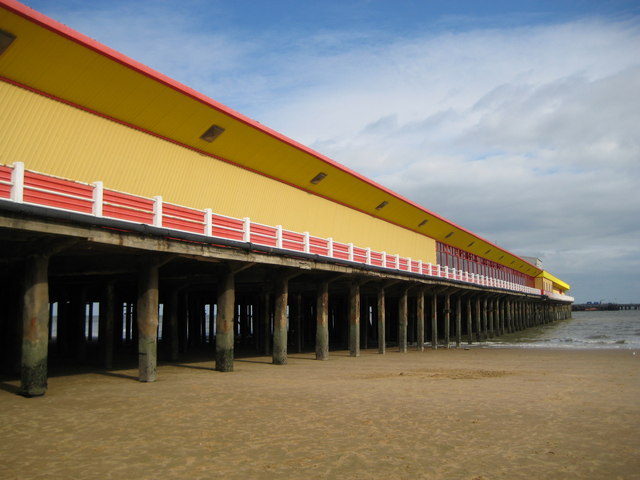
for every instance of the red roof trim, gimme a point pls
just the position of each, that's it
(85, 41)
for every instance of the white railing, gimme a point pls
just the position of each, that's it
(22, 186)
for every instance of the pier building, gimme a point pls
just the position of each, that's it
(139, 217)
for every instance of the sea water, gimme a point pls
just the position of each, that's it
(597, 329)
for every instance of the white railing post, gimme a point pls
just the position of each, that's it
(397, 261)
(351, 252)
(98, 198)
(17, 182)
(246, 229)
(330, 247)
(384, 259)
(307, 245)
(208, 222)
(157, 211)
(429, 269)
(368, 260)
(446, 271)
(409, 264)
(438, 270)
(420, 267)
(278, 236)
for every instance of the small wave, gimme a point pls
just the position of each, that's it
(597, 337)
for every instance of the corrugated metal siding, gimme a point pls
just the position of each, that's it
(54, 138)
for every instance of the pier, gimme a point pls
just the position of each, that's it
(141, 219)
(582, 307)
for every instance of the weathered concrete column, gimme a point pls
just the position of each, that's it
(35, 326)
(434, 321)
(265, 321)
(485, 319)
(78, 317)
(298, 319)
(469, 322)
(420, 320)
(225, 322)
(171, 317)
(478, 320)
(382, 346)
(107, 324)
(147, 313)
(280, 322)
(490, 318)
(403, 320)
(458, 321)
(447, 320)
(322, 322)
(354, 319)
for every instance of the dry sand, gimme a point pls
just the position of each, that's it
(450, 414)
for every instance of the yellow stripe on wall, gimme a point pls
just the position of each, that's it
(52, 137)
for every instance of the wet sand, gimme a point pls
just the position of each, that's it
(450, 414)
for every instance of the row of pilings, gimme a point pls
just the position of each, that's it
(103, 319)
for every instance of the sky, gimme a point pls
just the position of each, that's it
(518, 120)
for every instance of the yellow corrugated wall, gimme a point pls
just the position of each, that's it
(51, 137)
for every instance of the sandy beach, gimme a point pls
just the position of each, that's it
(448, 414)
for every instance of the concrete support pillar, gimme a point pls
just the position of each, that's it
(298, 320)
(403, 320)
(434, 321)
(171, 319)
(322, 322)
(447, 320)
(469, 322)
(107, 324)
(265, 320)
(279, 356)
(35, 326)
(382, 346)
(485, 319)
(78, 318)
(354, 319)
(490, 318)
(458, 321)
(478, 311)
(147, 317)
(225, 322)
(420, 320)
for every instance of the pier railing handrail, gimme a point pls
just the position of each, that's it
(26, 186)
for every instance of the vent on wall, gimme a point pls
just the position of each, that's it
(318, 178)
(6, 39)
(212, 133)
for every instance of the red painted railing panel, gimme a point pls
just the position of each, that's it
(340, 250)
(56, 191)
(127, 207)
(293, 241)
(319, 246)
(5, 176)
(359, 254)
(225, 227)
(182, 218)
(263, 235)
(376, 259)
